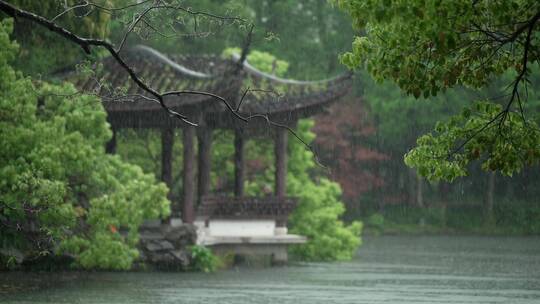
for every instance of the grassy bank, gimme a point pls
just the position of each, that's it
(506, 219)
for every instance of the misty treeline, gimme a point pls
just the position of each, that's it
(367, 159)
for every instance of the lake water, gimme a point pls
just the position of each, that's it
(387, 270)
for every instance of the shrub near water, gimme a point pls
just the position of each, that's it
(57, 185)
(319, 210)
(202, 259)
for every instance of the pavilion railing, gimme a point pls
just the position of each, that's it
(247, 207)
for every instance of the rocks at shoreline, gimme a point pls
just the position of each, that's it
(167, 247)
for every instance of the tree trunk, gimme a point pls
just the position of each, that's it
(239, 167)
(167, 143)
(444, 189)
(489, 219)
(188, 214)
(419, 191)
(280, 150)
(420, 198)
(411, 185)
(110, 147)
(205, 162)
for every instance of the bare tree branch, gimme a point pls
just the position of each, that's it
(503, 39)
(86, 45)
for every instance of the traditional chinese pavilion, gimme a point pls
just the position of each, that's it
(239, 223)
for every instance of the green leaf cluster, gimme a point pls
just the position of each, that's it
(59, 191)
(502, 142)
(41, 49)
(428, 46)
(202, 259)
(264, 61)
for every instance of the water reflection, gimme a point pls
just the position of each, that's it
(386, 270)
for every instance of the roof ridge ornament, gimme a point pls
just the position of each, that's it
(253, 70)
(166, 60)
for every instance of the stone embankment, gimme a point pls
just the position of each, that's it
(166, 246)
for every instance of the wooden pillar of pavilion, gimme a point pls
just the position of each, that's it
(167, 144)
(280, 178)
(188, 210)
(110, 147)
(239, 167)
(280, 152)
(205, 161)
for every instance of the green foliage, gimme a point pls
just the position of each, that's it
(518, 216)
(411, 215)
(56, 182)
(399, 118)
(308, 34)
(142, 147)
(40, 47)
(509, 146)
(465, 217)
(426, 47)
(202, 259)
(126, 198)
(264, 61)
(376, 220)
(319, 209)
(175, 32)
(510, 217)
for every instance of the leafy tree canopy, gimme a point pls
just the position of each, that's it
(40, 47)
(59, 191)
(426, 47)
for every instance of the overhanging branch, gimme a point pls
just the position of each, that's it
(86, 45)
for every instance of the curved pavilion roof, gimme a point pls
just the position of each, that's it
(283, 100)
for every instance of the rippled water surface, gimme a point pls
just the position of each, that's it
(386, 270)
